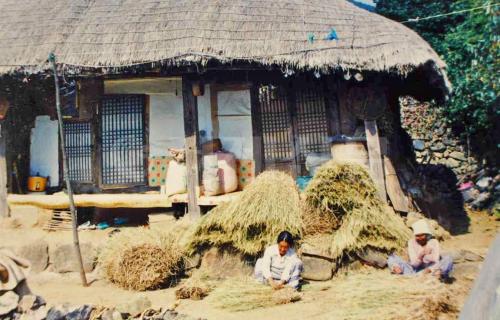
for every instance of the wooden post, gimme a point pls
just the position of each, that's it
(191, 133)
(4, 207)
(214, 111)
(375, 157)
(74, 225)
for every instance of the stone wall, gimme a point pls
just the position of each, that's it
(435, 144)
(433, 140)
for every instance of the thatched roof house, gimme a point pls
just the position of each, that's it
(270, 79)
(112, 33)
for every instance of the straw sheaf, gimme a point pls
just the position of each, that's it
(112, 33)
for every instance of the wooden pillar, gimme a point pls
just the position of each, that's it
(191, 144)
(375, 157)
(4, 207)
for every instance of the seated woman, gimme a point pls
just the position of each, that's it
(280, 265)
(424, 255)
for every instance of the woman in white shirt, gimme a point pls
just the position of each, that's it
(280, 265)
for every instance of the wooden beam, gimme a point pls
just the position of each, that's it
(192, 146)
(375, 157)
(4, 207)
(100, 200)
(394, 190)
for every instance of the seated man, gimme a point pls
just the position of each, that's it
(280, 265)
(424, 255)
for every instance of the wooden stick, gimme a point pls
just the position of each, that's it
(4, 207)
(76, 242)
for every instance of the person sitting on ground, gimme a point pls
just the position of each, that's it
(424, 254)
(280, 265)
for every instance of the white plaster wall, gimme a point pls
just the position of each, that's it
(44, 155)
(235, 122)
(166, 123)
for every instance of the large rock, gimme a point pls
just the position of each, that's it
(30, 302)
(419, 145)
(452, 163)
(373, 258)
(37, 253)
(481, 201)
(221, 265)
(63, 258)
(461, 256)
(111, 314)
(8, 303)
(470, 195)
(484, 183)
(458, 156)
(135, 307)
(438, 147)
(192, 262)
(317, 269)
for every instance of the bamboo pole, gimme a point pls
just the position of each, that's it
(76, 242)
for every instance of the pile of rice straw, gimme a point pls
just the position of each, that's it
(142, 259)
(251, 222)
(242, 294)
(345, 193)
(378, 294)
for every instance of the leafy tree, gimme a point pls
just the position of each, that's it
(469, 43)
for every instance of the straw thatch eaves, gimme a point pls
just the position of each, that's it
(117, 33)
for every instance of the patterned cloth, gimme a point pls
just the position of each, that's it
(157, 170)
(246, 173)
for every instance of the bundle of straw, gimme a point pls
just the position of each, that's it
(338, 188)
(243, 294)
(346, 192)
(142, 259)
(253, 221)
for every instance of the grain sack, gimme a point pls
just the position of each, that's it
(176, 178)
(227, 172)
(211, 180)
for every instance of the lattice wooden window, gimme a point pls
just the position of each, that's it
(312, 123)
(123, 139)
(276, 125)
(78, 138)
(294, 125)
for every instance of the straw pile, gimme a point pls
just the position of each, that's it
(251, 222)
(345, 193)
(243, 294)
(378, 294)
(142, 259)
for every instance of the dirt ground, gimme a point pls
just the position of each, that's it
(367, 298)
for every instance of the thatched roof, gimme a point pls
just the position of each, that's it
(117, 33)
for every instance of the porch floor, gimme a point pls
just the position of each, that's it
(128, 200)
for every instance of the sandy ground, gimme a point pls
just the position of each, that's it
(324, 300)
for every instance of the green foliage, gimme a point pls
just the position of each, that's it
(469, 43)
